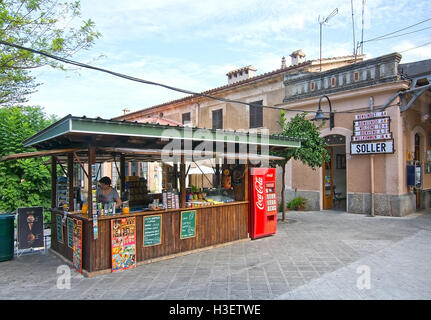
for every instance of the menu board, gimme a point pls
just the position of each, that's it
(77, 244)
(70, 232)
(123, 243)
(30, 228)
(188, 224)
(152, 230)
(59, 220)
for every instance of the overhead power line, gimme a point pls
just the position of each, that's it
(83, 65)
(399, 35)
(391, 33)
(422, 45)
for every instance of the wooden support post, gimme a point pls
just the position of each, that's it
(182, 183)
(80, 163)
(217, 175)
(53, 182)
(246, 186)
(175, 186)
(91, 160)
(165, 176)
(122, 174)
(70, 181)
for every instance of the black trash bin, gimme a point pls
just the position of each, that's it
(6, 236)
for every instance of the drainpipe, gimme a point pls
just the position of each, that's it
(372, 168)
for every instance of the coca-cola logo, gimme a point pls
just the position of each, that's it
(258, 185)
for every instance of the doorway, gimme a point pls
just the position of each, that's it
(334, 174)
(418, 158)
(328, 182)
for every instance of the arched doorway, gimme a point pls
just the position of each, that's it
(334, 173)
(417, 154)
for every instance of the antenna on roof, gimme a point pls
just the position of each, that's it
(321, 22)
(362, 36)
(353, 27)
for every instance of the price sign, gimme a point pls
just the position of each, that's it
(188, 224)
(152, 230)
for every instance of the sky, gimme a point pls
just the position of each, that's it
(193, 44)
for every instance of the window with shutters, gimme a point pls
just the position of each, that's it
(217, 119)
(186, 117)
(256, 114)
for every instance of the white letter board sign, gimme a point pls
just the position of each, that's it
(368, 132)
(372, 147)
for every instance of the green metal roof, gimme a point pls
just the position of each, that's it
(67, 129)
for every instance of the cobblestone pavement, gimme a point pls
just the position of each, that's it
(315, 255)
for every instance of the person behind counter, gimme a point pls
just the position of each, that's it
(105, 193)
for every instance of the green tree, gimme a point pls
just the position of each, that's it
(23, 182)
(312, 151)
(46, 25)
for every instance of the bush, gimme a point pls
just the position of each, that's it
(297, 203)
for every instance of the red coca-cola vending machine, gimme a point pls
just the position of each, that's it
(263, 203)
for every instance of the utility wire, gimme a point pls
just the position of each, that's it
(423, 45)
(399, 35)
(68, 61)
(83, 65)
(388, 34)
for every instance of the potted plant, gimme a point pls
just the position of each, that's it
(297, 203)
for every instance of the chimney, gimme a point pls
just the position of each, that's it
(283, 62)
(125, 110)
(297, 57)
(240, 74)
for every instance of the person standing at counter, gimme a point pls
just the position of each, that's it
(105, 193)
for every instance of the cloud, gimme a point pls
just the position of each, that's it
(193, 44)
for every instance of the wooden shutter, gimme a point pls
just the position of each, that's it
(256, 114)
(217, 119)
(186, 117)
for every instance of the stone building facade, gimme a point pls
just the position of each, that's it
(353, 85)
(245, 85)
(352, 90)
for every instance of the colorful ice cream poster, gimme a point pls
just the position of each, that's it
(77, 245)
(95, 227)
(123, 243)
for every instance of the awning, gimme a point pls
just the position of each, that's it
(34, 154)
(81, 131)
(131, 154)
(149, 142)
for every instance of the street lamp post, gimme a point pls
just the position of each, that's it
(321, 116)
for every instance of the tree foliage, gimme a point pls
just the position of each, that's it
(312, 151)
(24, 182)
(46, 25)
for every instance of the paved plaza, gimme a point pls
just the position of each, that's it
(315, 255)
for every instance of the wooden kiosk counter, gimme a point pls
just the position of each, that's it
(214, 225)
(98, 244)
